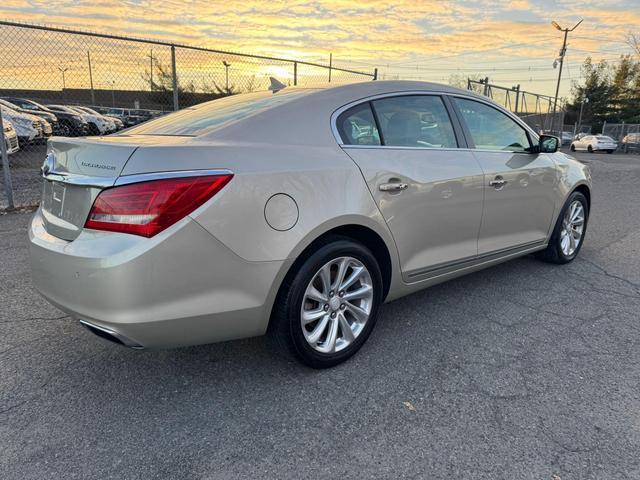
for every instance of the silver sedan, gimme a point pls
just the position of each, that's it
(296, 212)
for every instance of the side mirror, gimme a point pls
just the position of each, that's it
(548, 144)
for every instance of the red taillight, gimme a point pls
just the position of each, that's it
(147, 208)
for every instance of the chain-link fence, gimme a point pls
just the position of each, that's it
(534, 109)
(56, 81)
(626, 134)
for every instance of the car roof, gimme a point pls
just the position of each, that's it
(305, 118)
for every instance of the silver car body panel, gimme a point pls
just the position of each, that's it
(214, 275)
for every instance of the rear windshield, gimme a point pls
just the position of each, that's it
(205, 117)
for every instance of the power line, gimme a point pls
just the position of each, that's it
(475, 52)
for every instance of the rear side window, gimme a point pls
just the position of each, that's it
(357, 126)
(205, 117)
(491, 129)
(415, 121)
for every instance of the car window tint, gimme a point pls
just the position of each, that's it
(357, 126)
(205, 117)
(415, 121)
(491, 129)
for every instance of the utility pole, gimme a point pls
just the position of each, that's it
(563, 51)
(64, 85)
(93, 95)
(582, 102)
(330, 64)
(226, 72)
(151, 71)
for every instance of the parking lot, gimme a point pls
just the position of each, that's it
(525, 370)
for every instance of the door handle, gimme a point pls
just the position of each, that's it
(498, 182)
(393, 187)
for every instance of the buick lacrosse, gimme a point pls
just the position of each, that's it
(296, 212)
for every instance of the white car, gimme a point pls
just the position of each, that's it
(10, 137)
(111, 124)
(29, 128)
(594, 143)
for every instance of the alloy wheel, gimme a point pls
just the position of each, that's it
(572, 228)
(336, 305)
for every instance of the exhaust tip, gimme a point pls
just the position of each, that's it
(110, 335)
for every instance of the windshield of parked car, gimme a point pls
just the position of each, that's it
(8, 104)
(205, 117)
(62, 109)
(29, 104)
(89, 110)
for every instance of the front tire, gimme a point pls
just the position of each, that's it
(568, 234)
(328, 306)
(573, 148)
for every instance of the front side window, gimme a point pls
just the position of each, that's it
(491, 129)
(357, 126)
(415, 121)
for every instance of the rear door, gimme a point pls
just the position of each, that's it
(518, 183)
(428, 189)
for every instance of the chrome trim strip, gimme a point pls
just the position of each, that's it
(80, 180)
(126, 341)
(449, 267)
(105, 182)
(147, 177)
(448, 149)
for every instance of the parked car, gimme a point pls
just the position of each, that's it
(296, 212)
(580, 135)
(631, 141)
(594, 143)
(69, 124)
(96, 125)
(114, 123)
(29, 128)
(567, 138)
(10, 137)
(48, 117)
(130, 116)
(103, 125)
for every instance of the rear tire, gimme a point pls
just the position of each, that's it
(319, 316)
(609, 151)
(565, 243)
(590, 149)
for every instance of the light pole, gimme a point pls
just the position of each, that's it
(62, 70)
(226, 71)
(563, 51)
(584, 100)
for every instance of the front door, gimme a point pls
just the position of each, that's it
(519, 199)
(429, 191)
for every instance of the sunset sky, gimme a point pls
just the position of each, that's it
(511, 42)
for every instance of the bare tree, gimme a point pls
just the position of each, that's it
(633, 39)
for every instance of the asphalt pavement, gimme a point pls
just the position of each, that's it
(522, 371)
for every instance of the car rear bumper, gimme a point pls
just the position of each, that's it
(181, 287)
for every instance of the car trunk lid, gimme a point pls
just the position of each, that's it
(75, 172)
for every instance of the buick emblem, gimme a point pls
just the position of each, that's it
(49, 164)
